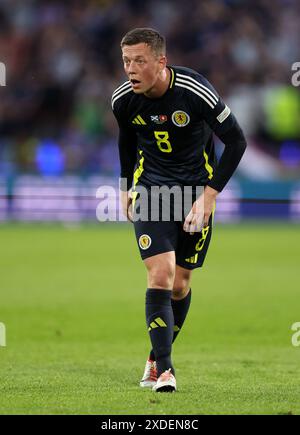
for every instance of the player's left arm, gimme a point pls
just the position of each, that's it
(224, 124)
(221, 120)
(226, 127)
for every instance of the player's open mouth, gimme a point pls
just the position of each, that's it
(135, 82)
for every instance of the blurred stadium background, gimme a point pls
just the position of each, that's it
(71, 296)
(57, 132)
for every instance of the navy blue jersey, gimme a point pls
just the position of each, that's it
(169, 140)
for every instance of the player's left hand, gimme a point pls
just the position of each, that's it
(201, 211)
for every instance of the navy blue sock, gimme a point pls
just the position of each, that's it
(180, 310)
(160, 323)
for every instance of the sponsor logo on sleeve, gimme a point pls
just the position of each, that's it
(226, 112)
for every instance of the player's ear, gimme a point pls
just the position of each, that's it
(162, 62)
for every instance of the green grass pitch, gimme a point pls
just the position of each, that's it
(72, 300)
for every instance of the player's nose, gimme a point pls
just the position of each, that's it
(130, 68)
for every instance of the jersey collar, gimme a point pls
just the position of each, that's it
(172, 77)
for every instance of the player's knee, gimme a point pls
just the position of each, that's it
(161, 276)
(161, 279)
(161, 271)
(181, 286)
(180, 292)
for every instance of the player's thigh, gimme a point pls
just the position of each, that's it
(155, 238)
(157, 242)
(161, 270)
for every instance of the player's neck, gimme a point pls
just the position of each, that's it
(161, 86)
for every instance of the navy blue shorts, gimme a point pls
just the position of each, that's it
(157, 237)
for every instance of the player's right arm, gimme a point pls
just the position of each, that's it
(127, 143)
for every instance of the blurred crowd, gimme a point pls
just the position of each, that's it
(63, 62)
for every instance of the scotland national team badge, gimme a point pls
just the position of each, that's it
(180, 118)
(159, 119)
(145, 241)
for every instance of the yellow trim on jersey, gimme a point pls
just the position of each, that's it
(208, 167)
(172, 78)
(137, 173)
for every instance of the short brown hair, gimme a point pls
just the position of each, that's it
(147, 35)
